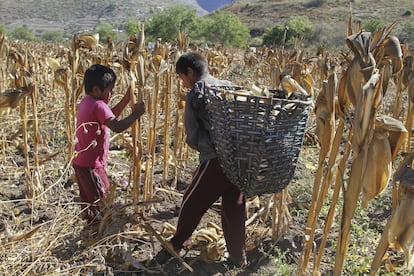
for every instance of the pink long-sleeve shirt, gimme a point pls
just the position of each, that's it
(92, 135)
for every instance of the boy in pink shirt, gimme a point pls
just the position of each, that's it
(93, 122)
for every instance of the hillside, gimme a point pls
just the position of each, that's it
(328, 16)
(77, 15)
(261, 14)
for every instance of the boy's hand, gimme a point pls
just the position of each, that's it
(138, 109)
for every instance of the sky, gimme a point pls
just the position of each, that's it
(211, 5)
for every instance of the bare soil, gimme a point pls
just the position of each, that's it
(124, 227)
(126, 247)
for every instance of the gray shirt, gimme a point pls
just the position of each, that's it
(197, 121)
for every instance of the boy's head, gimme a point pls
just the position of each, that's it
(190, 67)
(100, 76)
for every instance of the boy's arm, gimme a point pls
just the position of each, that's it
(117, 109)
(120, 125)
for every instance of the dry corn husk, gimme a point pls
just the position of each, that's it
(379, 167)
(395, 230)
(10, 98)
(88, 41)
(397, 132)
(388, 138)
(211, 253)
(391, 49)
(407, 71)
(206, 234)
(290, 85)
(410, 89)
(361, 67)
(325, 115)
(386, 75)
(401, 230)
(342, 103)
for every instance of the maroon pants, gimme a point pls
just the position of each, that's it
(93, 185)
(209, 184)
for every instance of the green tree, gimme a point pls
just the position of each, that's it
(56, 36)
(274, 36)
(131, 26)
(105, 30)
(300, 27)
(226, 29)
(23, 33)
(297, 27)
(167, 23)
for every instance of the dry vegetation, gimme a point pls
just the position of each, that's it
(41, 230)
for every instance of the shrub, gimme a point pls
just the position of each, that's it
(56, 36)
(315, 3)
(300, 27)
(23, 33)
(3, 30)
(297, 27)
(105, 30)
(408, 12)
(374, 24)
(274, 36)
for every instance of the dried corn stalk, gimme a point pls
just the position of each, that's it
(325, 127)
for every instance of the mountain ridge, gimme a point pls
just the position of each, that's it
(329, 16)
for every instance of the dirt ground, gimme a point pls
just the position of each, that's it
(47, 236)
(123, 227)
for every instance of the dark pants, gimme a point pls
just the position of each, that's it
(209, 184)
(93, 185)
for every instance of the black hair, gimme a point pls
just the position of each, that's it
(191, 60)
(98, 75)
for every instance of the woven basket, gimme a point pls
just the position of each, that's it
(258, 139)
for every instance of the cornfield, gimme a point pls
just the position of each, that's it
(360, 136)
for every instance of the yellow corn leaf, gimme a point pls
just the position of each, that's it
(290, 85)
(307, 83)
(53, 63)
